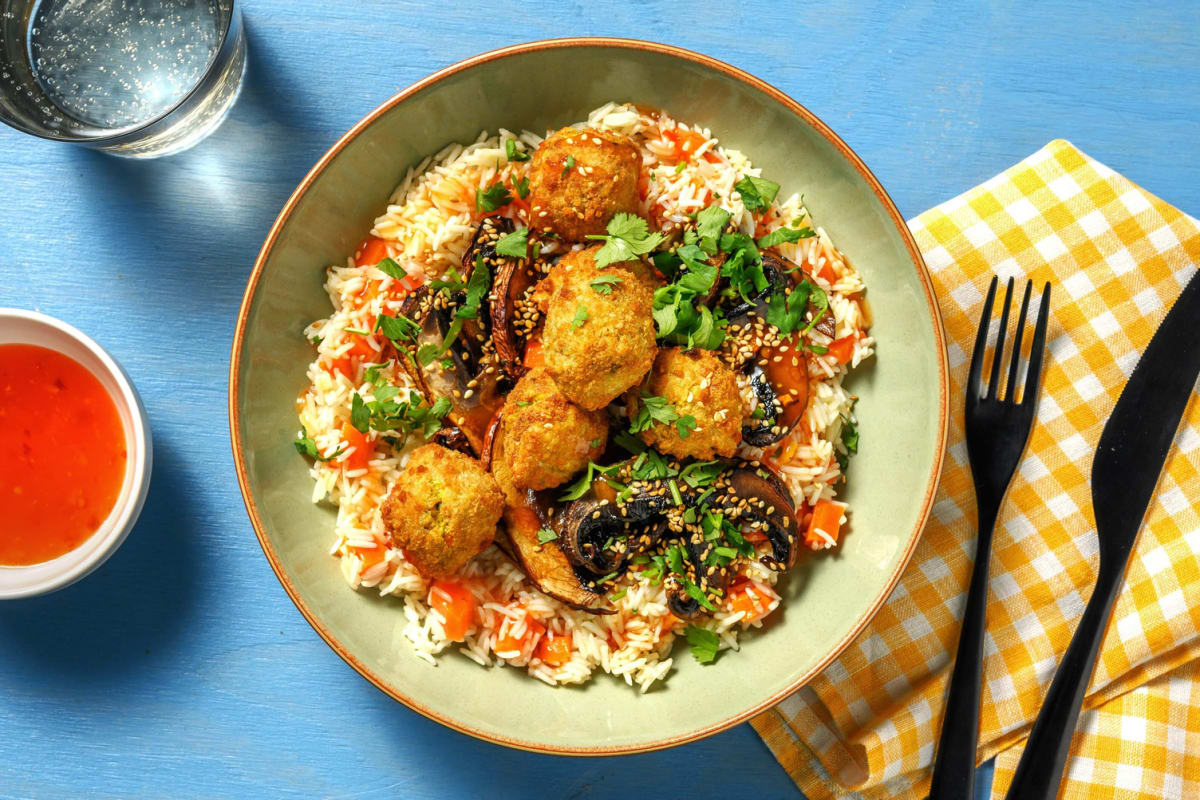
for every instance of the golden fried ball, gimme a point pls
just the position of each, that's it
(597, 343)
(547, 438)
(700, 385)
(579, 179)
(442, 510)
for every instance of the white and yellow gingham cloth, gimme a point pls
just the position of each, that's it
(1117, 258)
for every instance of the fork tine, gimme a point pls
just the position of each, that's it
(980, 344)
(994, 382)
(1011, 394)
(1039, 346)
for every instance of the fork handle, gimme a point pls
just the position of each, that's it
(954, 767)
(1040, 769)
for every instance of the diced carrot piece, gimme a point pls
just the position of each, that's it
(456, 604)
(507, 643)
(684, 144)
(364, 448)
(740, 599)
(842, 349)
(342, 364)
(555, 649)
(534, 354)
(827, 274)
(370, 555)
(371, 251)
(668, 624)
(826, 518)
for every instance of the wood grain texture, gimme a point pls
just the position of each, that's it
(181, 669)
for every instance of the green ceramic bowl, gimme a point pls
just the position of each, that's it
(828, 599)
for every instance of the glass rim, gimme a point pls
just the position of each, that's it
(123, 134)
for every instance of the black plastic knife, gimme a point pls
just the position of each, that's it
(1132, 450)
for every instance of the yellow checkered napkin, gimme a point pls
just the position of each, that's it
(1117, 258)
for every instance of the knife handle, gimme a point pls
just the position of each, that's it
(1039, 772)
(954, 766)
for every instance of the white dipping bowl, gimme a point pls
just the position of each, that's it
(30, 327)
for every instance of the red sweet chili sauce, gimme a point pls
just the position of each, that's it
(62, 454)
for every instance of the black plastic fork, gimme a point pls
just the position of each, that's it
(997, 432)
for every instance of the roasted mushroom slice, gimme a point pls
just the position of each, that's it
(510, 313)
(599, 536)
(458, 371)
(490, 231)
(754, 501)
(705, 579)
(451, 437)
(779, 380)
(545, 564)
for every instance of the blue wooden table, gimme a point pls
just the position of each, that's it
(181, 668)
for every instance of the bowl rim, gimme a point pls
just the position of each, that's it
(131, 498)
(235, 423)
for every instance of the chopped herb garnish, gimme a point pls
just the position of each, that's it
(757, 193)
(448, 284)
(710, 224)
(515, 244)
(628, 237)
(618, 595)
(781, 235)
(630, 442)
(685, 425)
(305, 446)
(390, 268)
(679, 167)
(702, 473)
(511, 151)
(523, 188)
(581, 316)
(357, 331)
(524, 403)
(360, 415)
(493, 197)
(398, 328)
(696, 594)
(674, 555)
(652, 410)
(596, 442)
(568, 165)
(583, 484)
(315, 339)
(675, 495)
(546, 535)
(704, 643)
(604, 283)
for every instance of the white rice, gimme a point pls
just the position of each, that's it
(427, 226)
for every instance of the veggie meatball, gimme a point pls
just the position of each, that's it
(698, 385)
(442, 510)
(599, 331)
(578, 179)
(547, 438)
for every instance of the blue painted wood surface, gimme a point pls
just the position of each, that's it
(181, 668)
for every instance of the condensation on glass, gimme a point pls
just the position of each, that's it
(135, 78)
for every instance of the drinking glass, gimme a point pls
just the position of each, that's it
(138, 78)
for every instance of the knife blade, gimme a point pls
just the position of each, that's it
(1130, 455)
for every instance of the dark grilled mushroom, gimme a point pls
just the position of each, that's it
(509, 332)
(599, 536)
(779, 380)
(709, 579)
(452, 438)
(755, 498)
(459, 372)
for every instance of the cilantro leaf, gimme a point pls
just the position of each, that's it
(628, 236)
(653, 410)
(546, 535)
(757, 193)
(604, 283)
(785, 234)
(685, 425)
(701, 473)
(568, 165)
(390, 268)
(511, 151)
(305, 446)
(515, 244)
(523, 188)
(710, 223)
(491, 198)
(360, 415)
(477, 287)
(581, 316)
(398, 328)
(583, 483)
